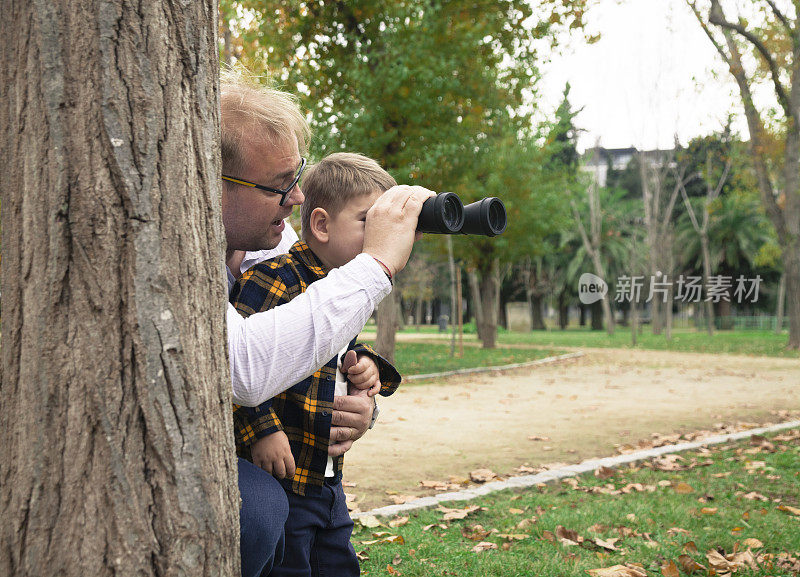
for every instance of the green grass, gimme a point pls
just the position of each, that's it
(760, 343)
(424, 358)
(640, 520)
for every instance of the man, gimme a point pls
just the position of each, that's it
(263, 133)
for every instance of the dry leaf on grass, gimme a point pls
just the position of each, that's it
(392, 571)
(618, 571)
(752, 543)
(690, 547)
(568, 536)
(683, 488)
(398, 521)
(607, 544)
(484, 546)
(513, 536)
(452, 514)
(369, 521)
(384, 537)
(604, 473)
(475, 532)
(516, 511)
(689, 565)
(789, 509)
(400, 499)
(669, 569)
(753, 496)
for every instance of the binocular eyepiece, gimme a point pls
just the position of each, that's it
(446, 214)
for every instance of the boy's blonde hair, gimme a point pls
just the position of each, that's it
(251, 111)
(338, 178)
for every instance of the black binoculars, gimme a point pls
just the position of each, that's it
(446, 214)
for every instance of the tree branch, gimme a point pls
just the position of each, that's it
(717, 17)
(781, 16)
(708, 32)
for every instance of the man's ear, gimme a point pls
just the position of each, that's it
(318, 223)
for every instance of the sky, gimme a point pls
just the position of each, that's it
(653, 74)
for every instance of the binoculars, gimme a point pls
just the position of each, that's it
(446, 214)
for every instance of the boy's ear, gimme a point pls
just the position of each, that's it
(318, 224)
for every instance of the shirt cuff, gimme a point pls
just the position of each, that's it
(373, 274)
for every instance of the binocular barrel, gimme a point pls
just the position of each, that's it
(446, 214)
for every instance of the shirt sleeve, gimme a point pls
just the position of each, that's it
(272, 350)
(387, 374)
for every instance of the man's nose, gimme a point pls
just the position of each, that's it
(295, 196)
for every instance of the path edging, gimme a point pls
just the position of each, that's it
(553, 475)
(544, 361)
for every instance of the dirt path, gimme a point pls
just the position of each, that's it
(586, 406)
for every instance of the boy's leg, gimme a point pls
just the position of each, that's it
(332, 554)
(261, 520)
(307, 515)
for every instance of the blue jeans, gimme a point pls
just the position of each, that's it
(262, 517)
(318, 536)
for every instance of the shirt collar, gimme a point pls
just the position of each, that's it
(305, 255)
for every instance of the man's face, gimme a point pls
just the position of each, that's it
(253, 218)
(346, 230)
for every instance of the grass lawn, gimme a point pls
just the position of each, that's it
(750, 342)
(667, 517)
(424, 358)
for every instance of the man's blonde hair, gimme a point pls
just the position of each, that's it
(252, 112)
(338, 178)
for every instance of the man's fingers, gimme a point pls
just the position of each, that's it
(339, 448)
(278, 469)
(288, 462)
(349, 411)
(348, 361)
(340, 434)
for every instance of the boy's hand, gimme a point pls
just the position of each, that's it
(362, 372)
(273, 454)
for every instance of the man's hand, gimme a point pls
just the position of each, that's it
(362, 373)
(273, 454)
(390, 230)
(351, 418)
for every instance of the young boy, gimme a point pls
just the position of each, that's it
(288, 436)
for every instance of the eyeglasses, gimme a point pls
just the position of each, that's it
(284, 192)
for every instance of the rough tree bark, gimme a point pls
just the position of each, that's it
(116, 456)
(386, 320)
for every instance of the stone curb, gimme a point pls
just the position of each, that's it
(544, 361)
(568, 471)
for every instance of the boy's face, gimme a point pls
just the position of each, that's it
(346, 230)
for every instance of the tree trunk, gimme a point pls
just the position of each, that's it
(709, 307)
(563, 310)
(596, 310)
(418, 313)
(582, 317)
(536, 302)
(386, 319)
(781, 300)
(486, 294)
(116, 453)
(791, 267)
(477, 303)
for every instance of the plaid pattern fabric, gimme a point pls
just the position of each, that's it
(303, 412)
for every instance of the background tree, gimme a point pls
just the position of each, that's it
(115, 447)
(762, 47)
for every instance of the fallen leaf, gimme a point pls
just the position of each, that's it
(689, 565)
(525, 523)
(475, 532)
(788, 509)
(677, 530)
(604, 473)
(709, 510)
(598, 528)
(538, 438)
(753, 496)
(690, 547)
(349, 484)
(397, 560)
(398, 521)
(362, 556)
(484, 546)
(482, 475)
(392, 571)
(618, 571)
(400, 499)
(670, 569)
(452, 514)
(548, 536)
(369, 521)
(516, 511)
(607, 544)
(753, 543)
(513, 536)
(568, 536)
(683, 488)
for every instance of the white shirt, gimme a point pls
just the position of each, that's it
(272, 350)
(339, 390)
